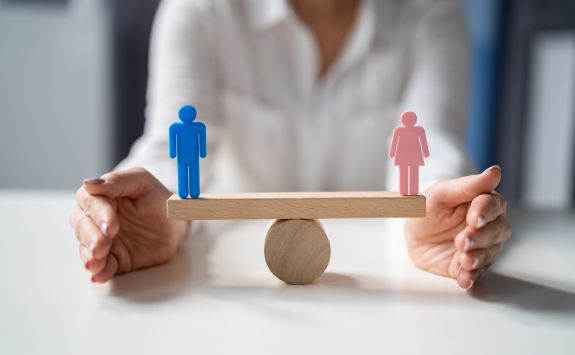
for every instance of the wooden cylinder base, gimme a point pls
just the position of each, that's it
(297, 251)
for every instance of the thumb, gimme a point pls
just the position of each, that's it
(126, 183)
(466, 188)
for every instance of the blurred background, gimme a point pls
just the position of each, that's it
(73, 79)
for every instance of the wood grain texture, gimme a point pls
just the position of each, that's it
(297, 251)
(297, 205)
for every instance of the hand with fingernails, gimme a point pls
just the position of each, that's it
(120, 221)
(464, 230)
(121, 224)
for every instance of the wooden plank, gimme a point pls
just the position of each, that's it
(296, 205)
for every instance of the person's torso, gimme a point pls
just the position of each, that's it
(301, 133)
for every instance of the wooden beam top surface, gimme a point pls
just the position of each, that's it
(296, 205)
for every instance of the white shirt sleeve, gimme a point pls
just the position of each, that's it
(438, 88)
(182, 71)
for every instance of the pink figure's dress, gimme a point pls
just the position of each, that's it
(409, 146)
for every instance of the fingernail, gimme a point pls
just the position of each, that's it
(95, 181)
(91, 248)
(470, 285)
(491, 168)
(475, 263)
(468, 244)
(481, 221)
(104, 228)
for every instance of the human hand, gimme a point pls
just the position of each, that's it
(464, 229)
(120, 221)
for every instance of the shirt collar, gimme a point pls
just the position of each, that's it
(361, 38)
(264, 14)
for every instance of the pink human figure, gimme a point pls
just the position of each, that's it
(409, 146)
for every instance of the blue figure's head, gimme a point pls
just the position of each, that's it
(187, 113)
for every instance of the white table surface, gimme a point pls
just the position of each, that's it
(218, 297)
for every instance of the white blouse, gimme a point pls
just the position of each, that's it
(251, 69)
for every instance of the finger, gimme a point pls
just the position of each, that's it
(127, 183)
(82, 232)
(90, 263)
(494, 232)
(486, 208)
(108, 272)
(476, 259)
(466, 279)
(85, 255)
(101, 209)
(89, 235)
(455, 265)
(465, 189)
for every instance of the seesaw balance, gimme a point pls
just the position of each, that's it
(296, 250)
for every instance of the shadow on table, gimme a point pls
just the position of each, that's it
(177, 278)
(168, 281)
(186, 274)
(497, 288)
(339, 288)
(492, 288)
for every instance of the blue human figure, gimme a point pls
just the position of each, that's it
(188, 143)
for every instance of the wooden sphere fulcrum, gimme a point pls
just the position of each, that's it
(297, 251)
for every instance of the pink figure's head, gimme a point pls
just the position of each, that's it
(408, 119)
